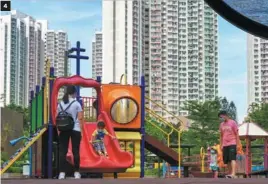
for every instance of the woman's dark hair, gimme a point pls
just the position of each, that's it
(70, 90)
(223, 112)
(101, 124)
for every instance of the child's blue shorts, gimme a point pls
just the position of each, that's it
(99, 146)
(214, 168)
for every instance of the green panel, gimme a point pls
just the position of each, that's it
(33, 115)
(40, 109)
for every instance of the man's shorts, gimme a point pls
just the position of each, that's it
(229, 153)
(99, 146)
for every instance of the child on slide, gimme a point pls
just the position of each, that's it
(97, 139)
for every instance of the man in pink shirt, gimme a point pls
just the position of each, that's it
(228, 140)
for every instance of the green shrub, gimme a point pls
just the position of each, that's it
(153, 172)
(15, 170)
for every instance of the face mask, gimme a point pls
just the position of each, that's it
(222, 119)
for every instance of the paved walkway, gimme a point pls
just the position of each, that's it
(140, 181)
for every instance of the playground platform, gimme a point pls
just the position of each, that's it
(140, 181)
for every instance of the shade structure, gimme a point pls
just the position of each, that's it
(251, 131)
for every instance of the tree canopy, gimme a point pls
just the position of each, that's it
(205, 123)
(259, 114)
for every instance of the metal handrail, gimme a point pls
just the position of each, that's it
(160, 118)
(172, 128)
(202, 156)
(162, 107)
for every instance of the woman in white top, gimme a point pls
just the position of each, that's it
(76, 111)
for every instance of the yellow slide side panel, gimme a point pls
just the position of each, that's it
(128, 135)
(133, 172)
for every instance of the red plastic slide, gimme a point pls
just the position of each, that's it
(118, 160)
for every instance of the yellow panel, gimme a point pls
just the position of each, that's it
(137, 167)
(128, 135)
(130, 172)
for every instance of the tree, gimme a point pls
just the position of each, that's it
(204, 129)
(259, 114)
(205, 122)
(229, 107)
(153, 130)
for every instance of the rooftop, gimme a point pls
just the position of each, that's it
(252, 130)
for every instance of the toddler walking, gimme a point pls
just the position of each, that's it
(214, 161)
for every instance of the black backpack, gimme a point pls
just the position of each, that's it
(64, 120)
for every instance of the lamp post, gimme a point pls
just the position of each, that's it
(15, 141)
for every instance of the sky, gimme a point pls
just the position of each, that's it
(81, 18)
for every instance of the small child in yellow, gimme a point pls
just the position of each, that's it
(97, 138)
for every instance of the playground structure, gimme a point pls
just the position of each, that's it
(126, 155)
(122, 108)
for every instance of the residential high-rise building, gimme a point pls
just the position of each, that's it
(174, 44)
(20, 57)
(257, 59)
(96, 57)
(183, 53)
(122, 40)
(56, 44)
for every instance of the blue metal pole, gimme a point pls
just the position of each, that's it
(43, 98)
(78, 58)
(30, 158)
(142, 125)
(30, 149)
(50, 128)
(37, 89)
(78, 65)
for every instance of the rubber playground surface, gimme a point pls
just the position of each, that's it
(140, 181)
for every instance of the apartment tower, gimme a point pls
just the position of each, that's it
(96, 57)
(174, 44)
(20, 57)
(257, 59)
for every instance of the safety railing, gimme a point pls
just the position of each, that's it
(165, 132)
(165, 110)
(162, 121)
(90, 113)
